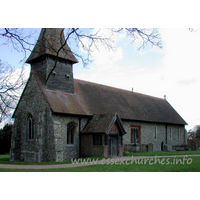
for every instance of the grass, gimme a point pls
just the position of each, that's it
(162, 153)
(135, 167)
(5, 159)
(191, 164)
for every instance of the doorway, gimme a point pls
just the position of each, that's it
(113, 145)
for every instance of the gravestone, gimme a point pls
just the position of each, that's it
(193, 145)
(150, 147)
(165, 147)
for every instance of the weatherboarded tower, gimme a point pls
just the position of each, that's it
(51, 60)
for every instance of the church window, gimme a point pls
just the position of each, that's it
(29, 128)
(70, 133)
(134, 135)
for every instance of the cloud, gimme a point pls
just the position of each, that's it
(172, 71)
(180, 71)
(186, 82)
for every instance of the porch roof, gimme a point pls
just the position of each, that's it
(102, 123)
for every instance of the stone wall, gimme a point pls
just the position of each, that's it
(50, 130)
(148, 134)
(41, 148)
(66, 151)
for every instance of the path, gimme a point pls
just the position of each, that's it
(60, 166)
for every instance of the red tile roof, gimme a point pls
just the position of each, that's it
(90, 98)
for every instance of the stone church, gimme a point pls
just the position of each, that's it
(58, 117)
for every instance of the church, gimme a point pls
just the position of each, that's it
(59, 118)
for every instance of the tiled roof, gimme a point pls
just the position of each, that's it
(49, 42)
(90, 98)
(102, 123)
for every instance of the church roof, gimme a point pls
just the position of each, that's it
(90, 98)
(49, 42)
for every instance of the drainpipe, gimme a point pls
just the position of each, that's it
(166, 134)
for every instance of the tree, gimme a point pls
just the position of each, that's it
(10, 89)
(91, 39)
(11, 84)
(5, 138)
(198, 132)
(84, 39)
(18, 39)
(194, 133)
(88, 41)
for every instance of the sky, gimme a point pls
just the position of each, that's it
(171, 71)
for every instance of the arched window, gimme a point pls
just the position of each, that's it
(29, 127)
(70, 133)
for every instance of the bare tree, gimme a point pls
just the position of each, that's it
(18, 39)
(11, 85)
(87, 41)
(12, 82)
(83, 39)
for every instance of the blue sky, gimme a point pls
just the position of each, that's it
(171, 71)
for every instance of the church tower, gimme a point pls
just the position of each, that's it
(53, 60)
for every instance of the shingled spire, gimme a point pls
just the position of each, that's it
(53, 60)
(52, 42)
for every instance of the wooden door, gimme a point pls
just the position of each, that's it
(113, 145)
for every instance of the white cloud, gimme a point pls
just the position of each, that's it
(180, 72)
(175, 75)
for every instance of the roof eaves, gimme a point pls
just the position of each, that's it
(153, 121)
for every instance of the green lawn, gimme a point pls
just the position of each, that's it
(5, 159)
(162, 153)
(191, 164)
(172, 167)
